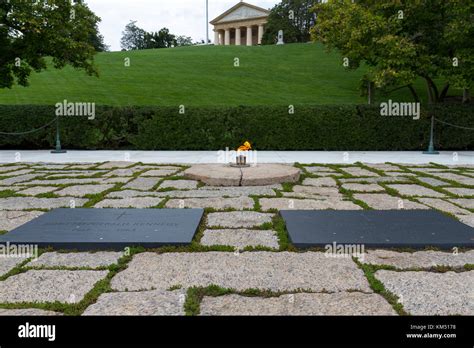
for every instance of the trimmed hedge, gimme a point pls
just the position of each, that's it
(334, 128)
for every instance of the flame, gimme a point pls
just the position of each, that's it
(245, 147)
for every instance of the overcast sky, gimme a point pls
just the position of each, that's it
(181, 17)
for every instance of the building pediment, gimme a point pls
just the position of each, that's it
(241, 11)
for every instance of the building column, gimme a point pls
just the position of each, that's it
(260, 34)
(249, 36)
(221, 38)
(216, 38)
(238, 37)
(227, 37)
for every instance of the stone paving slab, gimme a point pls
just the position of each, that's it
(283, 271)
(443, 205)
(236, 219)
(7, 263)
(381, 201)
(9, 220)
(22, 203)
(464, 202)
(315, 190)
(456, 177)
(363, 187)
(216, 203)
(138, 202)
(5, 169)
(122, 172)
(357, 171)
(82, 190)
(320, 169)
(416, 190)
(18, 172)
(385, 167)
(306, 204)
(179, 184)
(116, 164)
(161, 172)
(142, 183)
(82, 166)
(199, 193)
(19, 179)
(466, 219)
(33, 191)
(76, 260)
(419, 259)
(320, 182)
(432, 181)
(73, 181)
(240, 238)
(460, 191)
(377, 180)
(143, 303)
(27, 312)
(49, 286)
(428, 293)
(341, 303)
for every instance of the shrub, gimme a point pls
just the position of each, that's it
(327, 127)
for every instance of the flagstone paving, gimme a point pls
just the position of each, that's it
(419, 259)
(76, 260)
(245, 216)
(23, 203)
(283, 271)
(428, 293)
(143, 303)
(415, 190)
(237, 219)
(215, 203)
(83, 190)
(49, 286)
(7, 263)
(381, 201)
(240, 238)
(10, 220)
(179, 184)
(27, 312)
(138, 202)
(341, 303)
(443, 206)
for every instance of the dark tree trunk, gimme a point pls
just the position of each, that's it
(466, 98)
(371, 88)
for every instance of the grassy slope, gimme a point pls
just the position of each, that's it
(290, 74)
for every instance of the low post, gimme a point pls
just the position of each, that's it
(58, 139)
(431, 149)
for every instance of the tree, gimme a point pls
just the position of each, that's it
(97, 41)
(33, 30)
(133, 37)
(294, 17)
(401, 41)
(184, 41)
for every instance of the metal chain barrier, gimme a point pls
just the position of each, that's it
(453, 125)
(33, 130)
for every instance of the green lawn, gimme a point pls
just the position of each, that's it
(205, 75)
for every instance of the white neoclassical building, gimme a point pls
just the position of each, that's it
(242, 24)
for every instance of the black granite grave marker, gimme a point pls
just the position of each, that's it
(377, 229)
(108, 229)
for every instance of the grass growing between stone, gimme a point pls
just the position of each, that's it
(195, 295)
(378, 287)
(74, 309)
